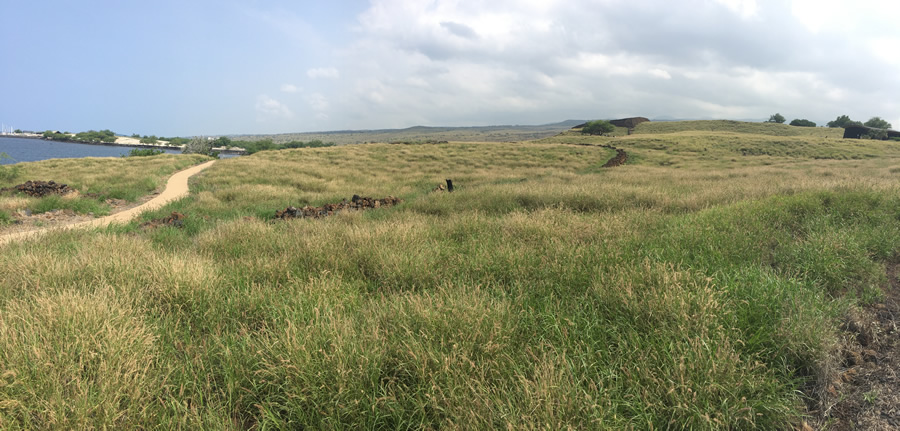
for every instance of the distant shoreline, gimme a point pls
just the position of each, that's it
(124, 143)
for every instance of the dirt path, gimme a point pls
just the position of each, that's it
(176, 187)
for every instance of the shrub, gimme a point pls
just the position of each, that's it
(802, 123)
(143, 152)
(598, 127)
(199, 145)
(877, 134)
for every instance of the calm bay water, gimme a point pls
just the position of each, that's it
(32, 150)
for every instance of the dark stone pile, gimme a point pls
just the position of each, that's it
(356, 203)
(176, 219)
(40, 189)
(619, 160)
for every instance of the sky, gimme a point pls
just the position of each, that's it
(198, 67)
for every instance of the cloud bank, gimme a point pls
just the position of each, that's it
(505, 61)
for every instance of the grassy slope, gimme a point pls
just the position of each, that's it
(699, 286)
(772, 129)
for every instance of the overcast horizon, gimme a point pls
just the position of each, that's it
(251, 67)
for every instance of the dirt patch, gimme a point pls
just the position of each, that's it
(24, 220)
(356, 203)
(865, 395)
(619, 160)
(176, 219)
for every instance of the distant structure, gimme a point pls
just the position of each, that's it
(856, 132)
(629, 123)
(6, 130)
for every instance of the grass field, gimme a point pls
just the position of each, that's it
(701, 285)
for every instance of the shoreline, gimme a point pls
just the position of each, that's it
(122, 144)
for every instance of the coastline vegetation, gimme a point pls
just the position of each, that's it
(90, 137)
(143, 152)
(702, 285)
(267, 144)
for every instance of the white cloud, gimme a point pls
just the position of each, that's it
(856, 19)
(269, 108)
(660, 73)
(317, 102)
(744, 8)
(449, 62)
(289, 88)
(887, 49)
(323, 72)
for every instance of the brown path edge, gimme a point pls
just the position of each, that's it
(176, 187)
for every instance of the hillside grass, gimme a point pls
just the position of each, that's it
(545, 292)
(743, 127)
(95, 178)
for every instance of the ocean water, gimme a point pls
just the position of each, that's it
(32, 150)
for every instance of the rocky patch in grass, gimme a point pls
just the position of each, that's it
(866, 394)
(619, 160)
(356, 203)
(40, 189)
(176, 219)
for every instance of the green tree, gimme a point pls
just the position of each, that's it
(802, 123)
(222, 141)
(877, 123)
(18, 131)
(200, 145)
(176, 141)
(56, 136)
(598, 127)
(843, 121)
(107, 136)
(776, 118)
(877, 134)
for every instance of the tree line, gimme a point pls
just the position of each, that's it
(202, 145)
(841, 121)
(89, 137)
(267, 144)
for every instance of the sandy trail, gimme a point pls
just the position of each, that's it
(176, 187)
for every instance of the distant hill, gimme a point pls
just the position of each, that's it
(505, 133)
